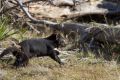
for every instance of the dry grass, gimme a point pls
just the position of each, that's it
(74, 69)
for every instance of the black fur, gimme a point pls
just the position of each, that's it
(35, 48)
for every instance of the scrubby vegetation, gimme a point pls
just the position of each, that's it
(75, 68)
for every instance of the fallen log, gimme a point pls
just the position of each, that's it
(104, 9)
(98, 8)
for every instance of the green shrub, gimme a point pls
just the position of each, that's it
(5, 29)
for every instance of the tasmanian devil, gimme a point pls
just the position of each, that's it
(35, 48)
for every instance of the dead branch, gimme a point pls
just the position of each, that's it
(99, 8)
(80, 14)
(25, 10)
(32, 27)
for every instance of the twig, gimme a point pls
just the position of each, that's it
(1, 10)
(32, 27)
